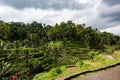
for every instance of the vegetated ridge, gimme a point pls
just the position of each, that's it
(32, 48)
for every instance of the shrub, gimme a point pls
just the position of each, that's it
(91, 54)
(79, 63)
(55, 71)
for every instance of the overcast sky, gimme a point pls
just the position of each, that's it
(101, 14)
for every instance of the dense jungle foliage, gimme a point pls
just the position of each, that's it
(30, 48)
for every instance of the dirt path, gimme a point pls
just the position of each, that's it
(109, 74)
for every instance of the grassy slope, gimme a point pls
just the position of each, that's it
(100, 60)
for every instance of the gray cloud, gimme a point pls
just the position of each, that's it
(44, 4)
(110, 10)
(111, 2)
(114, 16)
(101, 14)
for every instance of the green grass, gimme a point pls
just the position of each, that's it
(98, 61)
(52, 74)
(55, 44)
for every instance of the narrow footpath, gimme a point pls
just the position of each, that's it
(109, 74)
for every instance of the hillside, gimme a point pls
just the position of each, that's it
(44, 52)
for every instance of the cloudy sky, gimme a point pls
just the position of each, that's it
(101, 14)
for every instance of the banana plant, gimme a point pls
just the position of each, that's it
(2, 45)
(4, 69)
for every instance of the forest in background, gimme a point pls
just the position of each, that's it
(30, 48)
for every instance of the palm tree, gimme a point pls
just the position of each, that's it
(16, 53)
(52, 52)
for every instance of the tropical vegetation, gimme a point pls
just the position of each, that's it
(27, 49)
